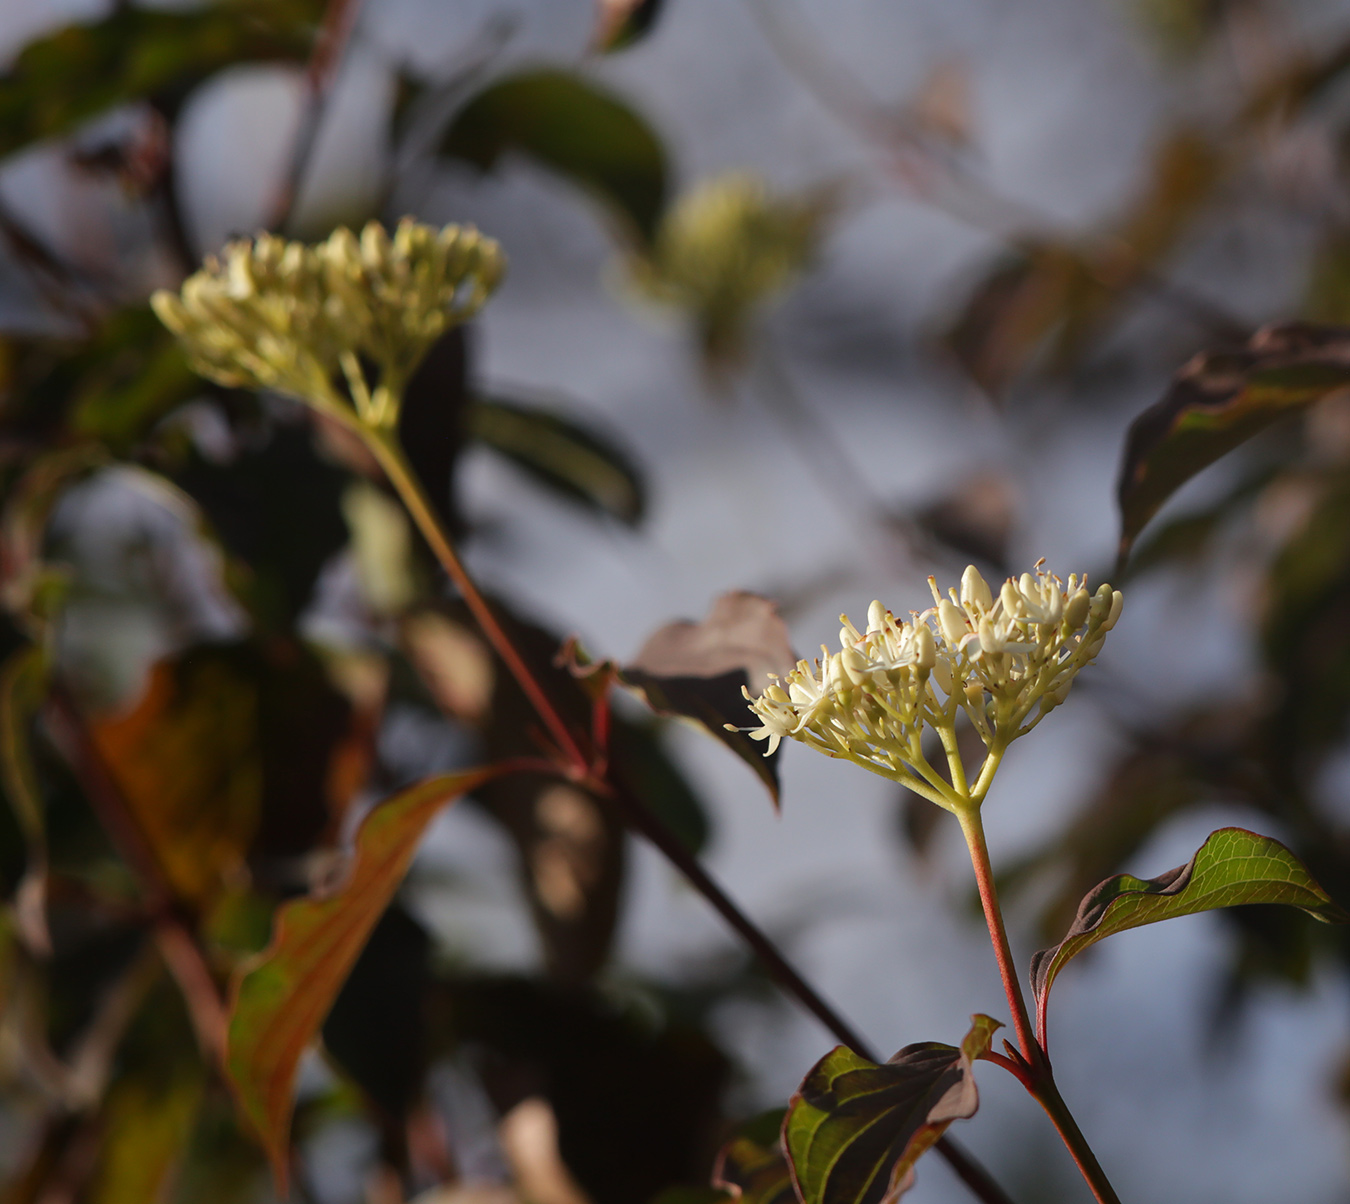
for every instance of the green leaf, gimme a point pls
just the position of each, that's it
(1219, 401)
(280, 999)
(577, 129)
(1233, 867)
(854, 1130)
(81, 71)
(562, 454)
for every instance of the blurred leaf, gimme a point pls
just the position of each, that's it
(23, 689)
(1219, 401)
(185, 760)
(623, 22)
(562, 454)
(976, 519)
(1303, 642)
(854, 1130)
(133, 54)
(233, 749)
(277, 508)
(1232, 867)
(112, 386)
(28, 505)
(697, 671)
(640, 764)
(753, 1168)
(574, 127)
(1014, 309)
(636, 1096)
(1051, 298)
(279, 1001)
(693, 1195)
(377, 1026)
(433, 422)
(1299, 82)
(144, 1129)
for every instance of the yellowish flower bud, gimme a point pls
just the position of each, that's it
(975, 589)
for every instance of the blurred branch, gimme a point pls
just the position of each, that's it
(339, 19)
(930, 169)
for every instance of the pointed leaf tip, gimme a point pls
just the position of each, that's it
(1233, 867)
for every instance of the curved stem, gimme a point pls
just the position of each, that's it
(404, 480)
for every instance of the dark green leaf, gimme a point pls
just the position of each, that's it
(698, 670)
(574, 127)
(854, 1130)
(133, 54)
(640, 763)
(1219, 401)
(279, 1001)
(1232, 867)
(562, 454)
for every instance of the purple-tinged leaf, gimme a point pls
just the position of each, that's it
(854, 1130)
(697, 670)
(1216, 403)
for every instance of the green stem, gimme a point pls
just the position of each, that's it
(1035, 1073)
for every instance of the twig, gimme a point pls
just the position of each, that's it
(339, 19)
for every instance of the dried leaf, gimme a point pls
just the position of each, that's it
(854, 1130)
(1233, 867)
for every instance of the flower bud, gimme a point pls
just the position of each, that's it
(1076, 610)
(1113, 615)
(925, 650)
(975, 589)
(876, 617)
(952, 622)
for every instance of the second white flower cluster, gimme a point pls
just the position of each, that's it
(1003, 661)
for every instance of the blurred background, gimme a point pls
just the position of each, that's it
(811, 299)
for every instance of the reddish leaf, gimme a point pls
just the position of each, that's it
(279, 1001)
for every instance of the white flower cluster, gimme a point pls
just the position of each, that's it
(1004, 661)
(282, 315)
